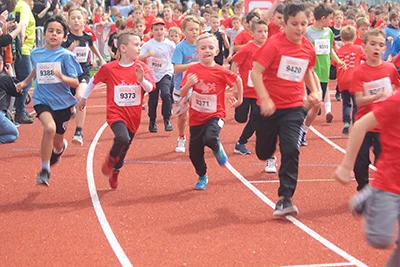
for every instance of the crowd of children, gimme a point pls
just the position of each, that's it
(190, 55)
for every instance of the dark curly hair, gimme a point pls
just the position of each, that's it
(8, 5)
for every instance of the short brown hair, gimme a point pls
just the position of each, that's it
(393, 14)
(207, 36)
(189, 19)
(123, 37)
(362, 22)
(348, 33)
(374, 32)
(258, 22)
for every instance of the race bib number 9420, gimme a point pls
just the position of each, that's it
(292, 69)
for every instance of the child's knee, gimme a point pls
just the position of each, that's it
(122, 140)
(49, 129)
(379, 241)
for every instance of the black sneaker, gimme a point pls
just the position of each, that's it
(337, 96)
(43, 177)
(56, 157)
(24, 119)
(284, 207)
(168, 126)
(153, 127)
(304, 140)
(357, 203)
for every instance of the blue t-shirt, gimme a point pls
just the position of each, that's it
(390, 32)
(49, 90)
(184, 53)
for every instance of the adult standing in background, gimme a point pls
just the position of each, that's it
(23, 65)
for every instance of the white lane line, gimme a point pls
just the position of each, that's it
(323, 137)
(32, 113)
(299, 181)
(338, 264)
(296, 222)
(116, 247)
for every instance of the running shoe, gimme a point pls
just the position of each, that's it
(220, 155)
(180, 145)
(329, 117)
(43, 177)
(271, 165)
(346, 128)
(56, 157)
(241, 149)
(284, 207)
(357, 203)
(113, 179)
(202, 182)
(78, 139)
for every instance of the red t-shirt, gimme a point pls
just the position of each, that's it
(285, 65)
(89, 31)
(148, 20)
(378, 23)
(388, 165)
(113, 28)
(273, 29)
(170, 24)
(396, 61)
(359, 41)
(117, 79)
(244, 58)
(227, 23)
(98, 19)
(364, 74)
(129, 24)
(208, 96)
(179, 22)
(352, 56)
(243, 38)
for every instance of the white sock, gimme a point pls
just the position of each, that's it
(46, 166)
(328, 107)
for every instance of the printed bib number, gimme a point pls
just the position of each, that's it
(81, 53)
(292, 69)
(127, 95)
(204, 103)
(250, 81)
(322, 46)
(45, 72)
(157, 64)
(374, 87)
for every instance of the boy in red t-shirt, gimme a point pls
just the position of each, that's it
(274, 16)
(243, 64)
(147, 6)
(372, 82)
(283, 65)
(245, 36)
(126, 80)
(362, 27)
(352, 55)
(208, 81)
(379, 202)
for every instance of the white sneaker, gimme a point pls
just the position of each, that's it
(180, 145)
(271, 165)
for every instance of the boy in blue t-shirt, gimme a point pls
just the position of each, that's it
(56, 71)
(391, 31)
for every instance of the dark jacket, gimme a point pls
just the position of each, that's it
(7, 90)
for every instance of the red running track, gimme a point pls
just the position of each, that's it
(155, 218)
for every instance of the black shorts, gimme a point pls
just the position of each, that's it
(242, 111)
(83, 78)
(332, 73)
(61, 117)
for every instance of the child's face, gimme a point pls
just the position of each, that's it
(236, 24)
(395, 22)
(237, 11)
(167, 13)
(154, 12)
(132, 49)
(296, 26)
(54, 35)
(206, 16)
(147, 10)
(260, 34)
(375, 47)
(99, 11)
(158, 31)
(311, 19)
(191, 31)
(207, 49)
(137, 14)
(140, 27)
(350, 22)
(177, 14)
(76, 20)
(362, 30)
(174, 37)
(338, 20)
(278, 19)
(326, 21)
(225, 15)
(214, 23)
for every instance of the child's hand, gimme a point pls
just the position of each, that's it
(58, 74)
(342, 65)
(20, 86)
(267, 107)
(192, 79)
(313, 99)
(342, 174)
(8, 69)
(139, 73)
(151, 53)
(234, 102)
(3, 17)
(82, 104)
(380, 95)
(390, 38)
(73, 45)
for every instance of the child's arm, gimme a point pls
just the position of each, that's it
(271, 10)
(225, 38)
(234, 67)
(191, 80)
(71, 82)
(146, 55)
(237, 87)
(337, 60)
(27, 80)
(89, 88)
(97, 53)
(178, 68)
(310, 79)
(111, 52)
(267, 106)
(360, 128)
(236, 48)
(363, 100)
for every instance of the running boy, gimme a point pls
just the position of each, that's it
(207, 105)
(158, 53)
(372, 83)
(56, 70)
(278, 75)
(126, 80)
(184, 56)
(80, 43)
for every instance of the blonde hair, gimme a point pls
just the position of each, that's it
(337, 13)
(176, 30)
(207, 36)
(374, 32)
(362, 22)
(189, 19)
(348, 33)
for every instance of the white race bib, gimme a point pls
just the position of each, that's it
(292, 69)
(323, 46)
(374, 87)
(339, 44)
(250, 81)
(156, 64)
(81, 53)
(204, 103)
(127, 95)
(45, 72)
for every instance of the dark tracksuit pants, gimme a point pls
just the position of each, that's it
(163, 88)
(361, 169)
(285, 123)
(242, 116)
(122, 141)
(348, 100)
(200, 136)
